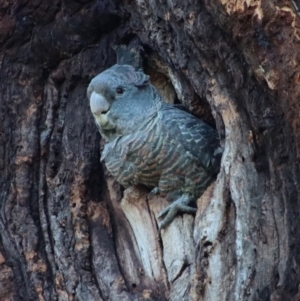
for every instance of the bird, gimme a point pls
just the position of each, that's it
(150, 142)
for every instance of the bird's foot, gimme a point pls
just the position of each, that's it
(179, 206)
(153, 192)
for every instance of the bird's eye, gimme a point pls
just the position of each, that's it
(120, 90)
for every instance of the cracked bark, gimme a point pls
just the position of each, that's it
(68, 231)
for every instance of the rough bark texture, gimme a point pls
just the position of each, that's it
(68, 231)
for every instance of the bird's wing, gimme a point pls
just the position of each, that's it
(199, 140)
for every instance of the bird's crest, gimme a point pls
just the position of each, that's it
(129, 56)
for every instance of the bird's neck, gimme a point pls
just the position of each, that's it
(143, 122)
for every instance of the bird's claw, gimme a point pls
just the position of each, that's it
(153, 192)
(172, 210)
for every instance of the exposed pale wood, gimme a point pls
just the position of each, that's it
(68, 231)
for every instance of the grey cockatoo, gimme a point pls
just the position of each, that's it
(150, 142)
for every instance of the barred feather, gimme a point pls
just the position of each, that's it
(151, 142)
(173, 153)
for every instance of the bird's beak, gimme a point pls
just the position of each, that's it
(100, 109)
(98, 104)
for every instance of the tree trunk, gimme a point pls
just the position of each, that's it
(68, 231)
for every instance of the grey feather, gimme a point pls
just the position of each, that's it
(151, 142)
(129, 56)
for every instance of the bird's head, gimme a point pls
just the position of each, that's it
(121, 99)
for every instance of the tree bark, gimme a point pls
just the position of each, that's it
(68, 230)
